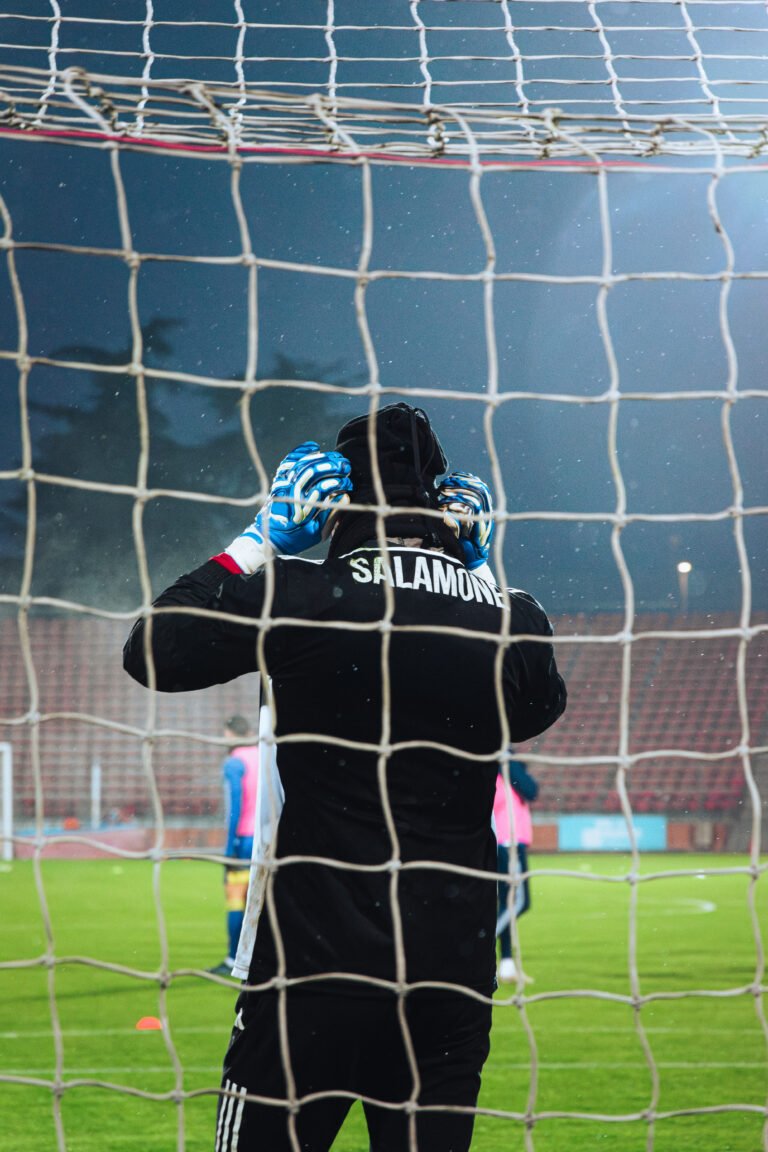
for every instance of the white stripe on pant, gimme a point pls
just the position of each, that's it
(230, 1104)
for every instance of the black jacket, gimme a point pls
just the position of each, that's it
(389, 735)
(523, 783)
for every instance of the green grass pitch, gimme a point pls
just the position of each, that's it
(693, 933)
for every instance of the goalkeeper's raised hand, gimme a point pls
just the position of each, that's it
(308, 486)
(468, 511)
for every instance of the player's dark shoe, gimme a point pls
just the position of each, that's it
(222, 969)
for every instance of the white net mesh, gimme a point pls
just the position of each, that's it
(343, 204)
(641, 78)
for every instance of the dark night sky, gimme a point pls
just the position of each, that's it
(427, 333)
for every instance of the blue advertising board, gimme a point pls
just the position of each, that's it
(586, 833)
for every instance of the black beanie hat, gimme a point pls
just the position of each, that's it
(410, 458)
(409, 455)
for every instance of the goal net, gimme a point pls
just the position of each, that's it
(228, 231)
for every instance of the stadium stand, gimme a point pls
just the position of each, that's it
(90, 713)
(683, 697)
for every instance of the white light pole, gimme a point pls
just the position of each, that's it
(96, 794)
(684, 570)
(6, 802)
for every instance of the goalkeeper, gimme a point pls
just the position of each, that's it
(388, 667)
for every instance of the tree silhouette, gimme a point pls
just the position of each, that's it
(84, 427)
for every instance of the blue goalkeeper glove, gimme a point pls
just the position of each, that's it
(308, 486)
(468, 511)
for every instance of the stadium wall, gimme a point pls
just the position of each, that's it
(552, 834)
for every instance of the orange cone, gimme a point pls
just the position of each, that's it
(148, 1024)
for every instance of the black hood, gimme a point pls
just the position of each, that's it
(410, 458)
(409, 455)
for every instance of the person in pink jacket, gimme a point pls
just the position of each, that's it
(513, 825)
(241, 779)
